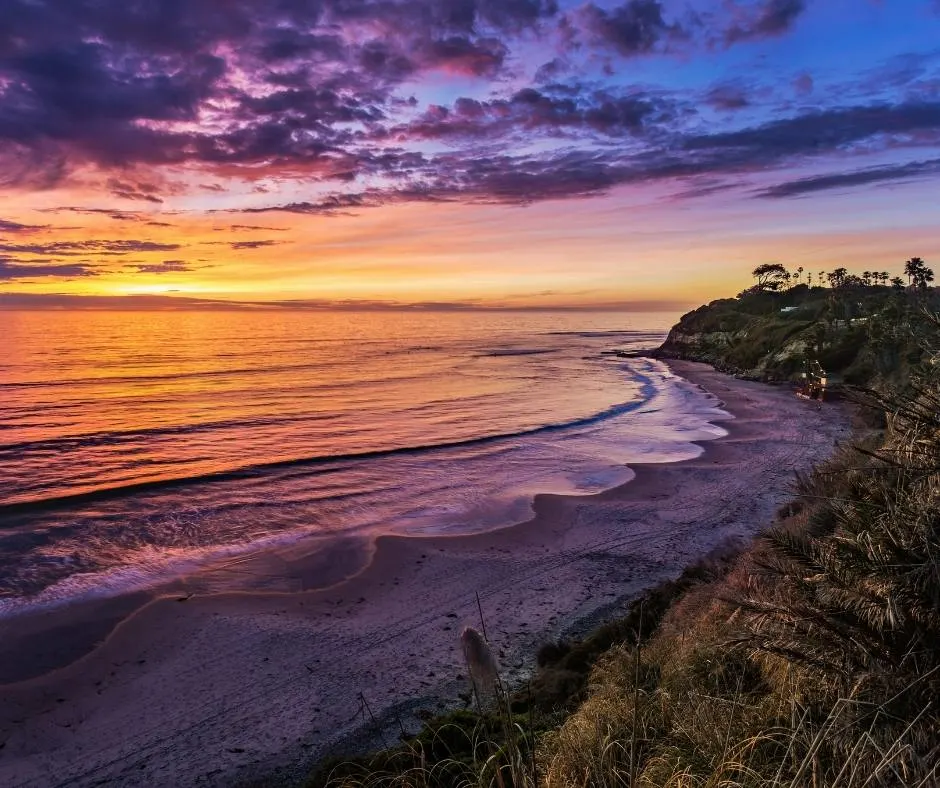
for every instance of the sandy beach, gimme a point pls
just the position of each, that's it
(178, 690)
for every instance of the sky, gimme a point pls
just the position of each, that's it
(507, 153)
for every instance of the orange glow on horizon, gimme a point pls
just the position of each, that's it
(627, 247)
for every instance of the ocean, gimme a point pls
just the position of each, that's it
(140, 447)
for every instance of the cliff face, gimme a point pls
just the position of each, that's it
(862, 336)
(773, 346)
(721, 350)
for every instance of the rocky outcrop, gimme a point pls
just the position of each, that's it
(772, 346)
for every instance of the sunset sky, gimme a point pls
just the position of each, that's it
(481, 152)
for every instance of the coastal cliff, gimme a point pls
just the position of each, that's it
(863, 335)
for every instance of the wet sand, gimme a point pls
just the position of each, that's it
(179, 690)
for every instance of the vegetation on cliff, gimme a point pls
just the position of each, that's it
(812, 659)
(859, 328)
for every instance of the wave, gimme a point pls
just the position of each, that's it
(519, 352)
(210, 373)
(319, 365)
(647, 390)
(602, 334)
(114, 437)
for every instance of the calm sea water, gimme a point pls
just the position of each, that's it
(135, 447)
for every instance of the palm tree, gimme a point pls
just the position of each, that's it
(838, 278)
(918, 274)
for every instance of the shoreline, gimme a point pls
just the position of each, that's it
(223, 688)
(310, 562)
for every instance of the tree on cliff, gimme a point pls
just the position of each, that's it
(770, 276)
(838, 278)
(918, 274)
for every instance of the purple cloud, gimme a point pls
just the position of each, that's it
(728, 97)
(166, 267)
(111, 213)
(844, 180)
(826, 130)
(110, 85)
(479, 58)
(253, 244)
(633, 28)
(74, 248)
(7, 226)
(330, 94)
(522, 180)
(545, 111)
(768, 19)
(10, 270)
(134, 191)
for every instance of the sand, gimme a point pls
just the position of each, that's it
(225, 689)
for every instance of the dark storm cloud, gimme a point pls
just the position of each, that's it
(843, 180)
(767, 19)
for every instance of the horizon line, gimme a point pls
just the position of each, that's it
(151, 302)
